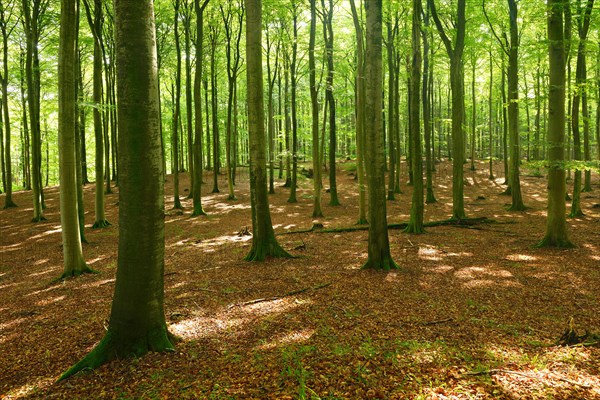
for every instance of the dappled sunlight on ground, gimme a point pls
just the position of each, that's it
(464, 300)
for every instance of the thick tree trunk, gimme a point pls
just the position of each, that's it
(379, 255)
(137, 321)
(556, 225)
(391, 34)
(214, 110)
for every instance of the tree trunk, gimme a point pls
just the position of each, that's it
(556, 225)
(137, 321)
(214, 106)
(264, 243)
(317, 212)
(294, 106)
(69, 216)
(455, 53)
(328, 36)
(391, 34)
(198, 134)
(176, 111)
(427, 103)
(379, 255)
(513, 111)
(8, 179)
(360, 118)
(31, 14)
(415, 223)
(188, 94)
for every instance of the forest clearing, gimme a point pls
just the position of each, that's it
(472, 312)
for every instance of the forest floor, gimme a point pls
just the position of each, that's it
(473, 312)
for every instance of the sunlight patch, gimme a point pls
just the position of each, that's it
(294, 337)
(46, 302)
(521, 257)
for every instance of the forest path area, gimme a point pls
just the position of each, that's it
(473, 312)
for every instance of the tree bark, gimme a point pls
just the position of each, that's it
(73, 261)
(556, 225)
(137, 321)
(379, 255)
(317, 212)
(264, 243)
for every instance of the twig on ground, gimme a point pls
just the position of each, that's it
(437, 322)
(293, 292)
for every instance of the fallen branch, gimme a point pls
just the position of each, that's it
(525, 375)
(465, 222)
(292, 293)
(441, 321)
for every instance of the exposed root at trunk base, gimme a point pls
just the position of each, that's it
(112, 346)
(551, 241)
(386, 264)
(75, 273)
(101, 224)
(261, 250)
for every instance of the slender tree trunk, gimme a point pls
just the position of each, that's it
(360, 118)
(198, 134)
(328, 36)
(427, 103)
(379, 255)
(96, 28)
(294, 106)
(264, 243)
(415, 223)
(391, 110)
(25, 124)
(73, 261)
(317, 212)
(556, 225)
(31, 13)
(177, 110)
(455, 53)
(188, 94)
(215, 115)
(8, 177)
(491, 116)
(513, 111)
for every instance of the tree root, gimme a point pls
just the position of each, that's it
(75, 273)
(115, 346)
(550, 241)
(464, 222)
(262, 250)
(101, 224)
(386, 264)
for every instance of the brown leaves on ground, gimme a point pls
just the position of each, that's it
(472, 313)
